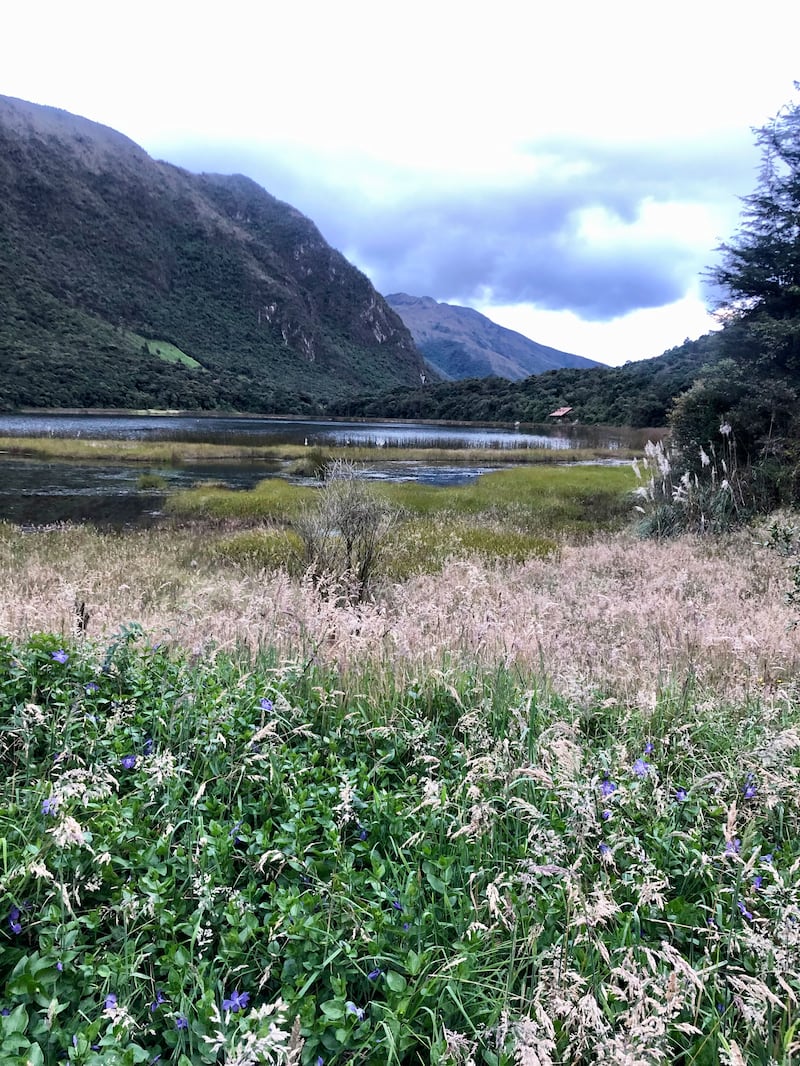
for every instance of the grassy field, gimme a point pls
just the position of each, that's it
(534, 800)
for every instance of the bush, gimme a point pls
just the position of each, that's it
(345, 532)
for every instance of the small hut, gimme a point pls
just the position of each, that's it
(560, 412)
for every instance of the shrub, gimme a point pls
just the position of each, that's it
(345, 532)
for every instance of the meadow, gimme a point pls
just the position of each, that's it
(532, 800)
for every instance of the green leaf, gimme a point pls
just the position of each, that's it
(332, 1009)
(16, 1021)
(395, 981)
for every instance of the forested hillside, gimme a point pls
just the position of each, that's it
(637, 394)
(103, 250)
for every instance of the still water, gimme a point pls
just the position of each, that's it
(36, 492)
(245, 430)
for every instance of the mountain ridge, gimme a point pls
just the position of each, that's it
(460, 342)
(101, 246)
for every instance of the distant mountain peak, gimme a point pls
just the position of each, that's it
(459, 342)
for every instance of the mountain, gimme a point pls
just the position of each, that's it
(128, 282)
(458, 342)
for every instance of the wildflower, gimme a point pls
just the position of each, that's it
(758, 880)
(362, 835)
(237, 1001)
(351, 1008)
(767, 859)
(373, 975)
(59, 656)
(50, 805)
(13, 921)
(110, 1002)
(148, 746)
(749, 792)
(266, 704)
(60, 966)
(397, 905)
(128, 761)
(605, 850)
(606, 815)
(181, 1022)
(681, 795)
(733, 847)
(641, 768)
(607, 787)
(233, 832)
(91, 687)
(4, 1013)
(745, 912)
(160, 998)
(648, 748)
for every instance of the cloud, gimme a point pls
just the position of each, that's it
(597, 229)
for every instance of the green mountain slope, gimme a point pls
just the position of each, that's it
(103, 249)
(459, 342)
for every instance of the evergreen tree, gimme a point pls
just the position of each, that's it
(760, 268)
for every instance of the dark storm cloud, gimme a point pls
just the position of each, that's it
(520, 242)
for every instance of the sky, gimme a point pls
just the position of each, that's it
(569, 170)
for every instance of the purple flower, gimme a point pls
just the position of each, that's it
(745, 912)
(320, 1060)
(13, 921)
(607, 787)
(110, 1001)
(648, 748)
(605, 815)
(767, 859)
(60, 966)
(681, 795)
(148, 746)
(91, 687)
(181, 1022)
(605, 850)
(266, 704)
(351, 1008)
(4, 1013)
(397, 905)
(60, 656)
(733, 847)
(749, 792)
(128, 761)
(160, 998)
(50, 805)
(362, 833)
(236, 1002)
(234, 831)
(641, 768)
(373, 975)
(758, 880)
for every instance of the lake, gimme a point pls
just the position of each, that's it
(245, 430)
(35, 492)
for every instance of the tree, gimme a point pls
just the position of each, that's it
(760, 268)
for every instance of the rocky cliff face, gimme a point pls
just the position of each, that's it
(459, 342)
(105, 251)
